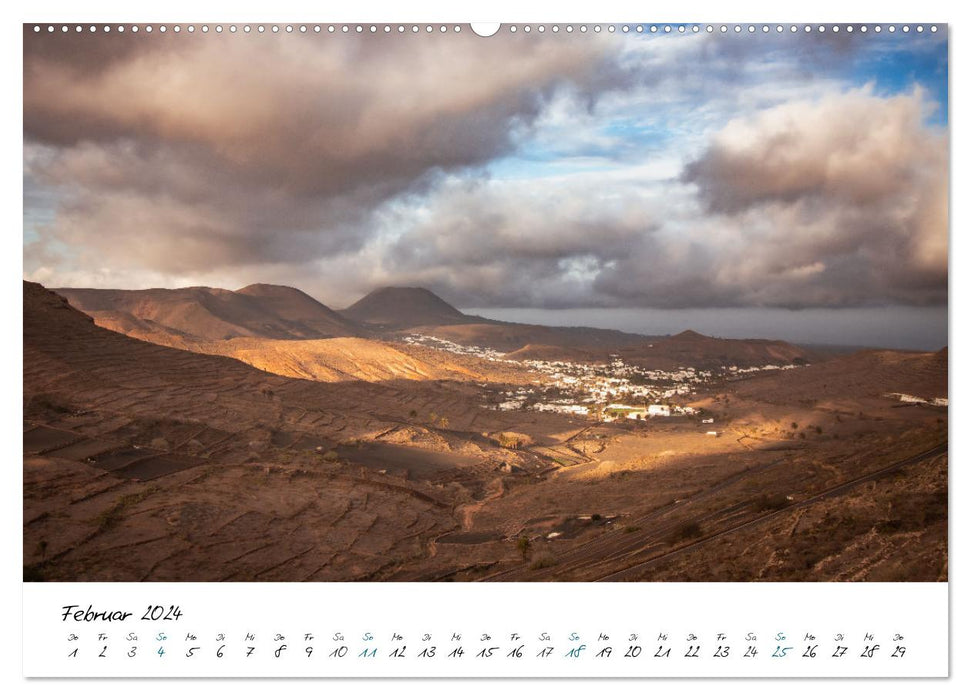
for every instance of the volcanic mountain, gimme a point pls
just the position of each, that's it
(419, 310)
(259, 310)
(398, 308)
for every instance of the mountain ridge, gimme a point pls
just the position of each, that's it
(212, 313)
(190, 317)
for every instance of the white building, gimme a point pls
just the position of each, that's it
(656, 409)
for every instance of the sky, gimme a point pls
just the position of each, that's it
(790, 185)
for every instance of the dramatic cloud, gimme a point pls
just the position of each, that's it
(233, 149)
(509, 243)
(854, 148)
(520, 171)
(836, 202)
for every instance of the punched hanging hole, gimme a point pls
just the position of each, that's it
(485, 29)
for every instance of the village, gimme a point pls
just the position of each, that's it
(606, 392)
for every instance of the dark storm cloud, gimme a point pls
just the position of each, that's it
(315, 115)
(232, 149)
(852, 192)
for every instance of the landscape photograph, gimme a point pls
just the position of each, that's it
(403, 303)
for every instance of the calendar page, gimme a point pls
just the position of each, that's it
(517, 350)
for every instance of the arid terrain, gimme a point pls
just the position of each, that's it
(204, 434)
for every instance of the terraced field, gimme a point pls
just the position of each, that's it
(145, 462)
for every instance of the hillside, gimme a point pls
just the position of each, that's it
(262, 311)
(866, 374)
(691, 349)
(535, 351)
(347, 359)
(687, 349)
(69, 357)
(554, 342)
(298, 307)
(143, 462)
